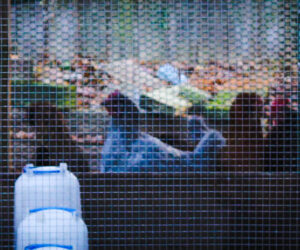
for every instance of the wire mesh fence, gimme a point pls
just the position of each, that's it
(179, 118)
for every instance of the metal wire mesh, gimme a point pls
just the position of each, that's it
(178, 117)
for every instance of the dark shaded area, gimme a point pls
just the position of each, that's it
(245, 142)
(187, 210)
(53, 137)
(283, 141)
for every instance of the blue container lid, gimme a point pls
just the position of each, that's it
(41, 170)
(38, 246)
(70, 210)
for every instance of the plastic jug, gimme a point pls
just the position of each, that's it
(41, 187)
(52, 228)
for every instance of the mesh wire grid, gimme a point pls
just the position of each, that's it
(178, 118)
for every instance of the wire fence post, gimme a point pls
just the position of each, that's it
(298, 91)
(4, 72)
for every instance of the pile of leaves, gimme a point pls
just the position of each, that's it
(266, 77)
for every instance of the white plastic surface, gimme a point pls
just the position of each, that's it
(52, 227)
(40, 187)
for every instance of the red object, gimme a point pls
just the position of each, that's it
(278, 106)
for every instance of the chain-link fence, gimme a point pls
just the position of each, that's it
(178, 117)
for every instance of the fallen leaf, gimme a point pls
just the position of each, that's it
(24, 135)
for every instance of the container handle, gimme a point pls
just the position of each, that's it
(27, 167)
(37, 246)
(63, 166)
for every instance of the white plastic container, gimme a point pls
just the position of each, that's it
(52, 228)
(41, 187)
